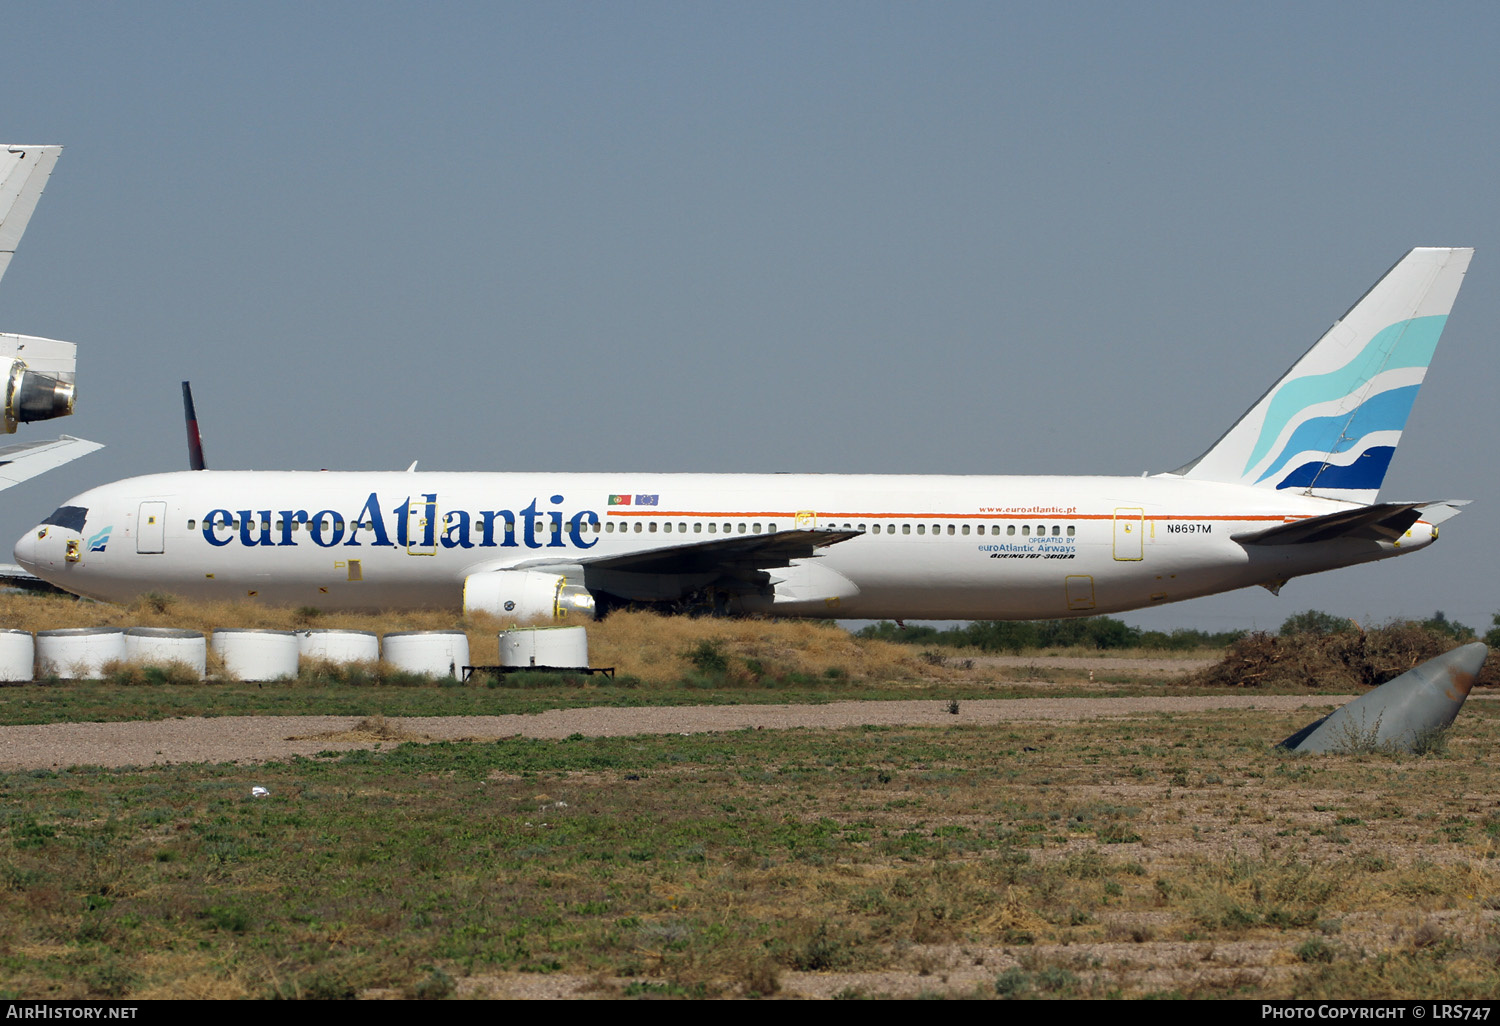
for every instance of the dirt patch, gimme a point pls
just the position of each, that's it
(250, 739)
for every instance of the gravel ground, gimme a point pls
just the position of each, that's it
(251, 739)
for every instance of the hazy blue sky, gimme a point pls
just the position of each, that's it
(869, 237)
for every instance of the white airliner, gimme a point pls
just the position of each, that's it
(38, 373)
(1288, 490)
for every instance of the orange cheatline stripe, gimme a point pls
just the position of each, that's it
(1027, 517)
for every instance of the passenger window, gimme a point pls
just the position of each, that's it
(682, 528)
(1025, 530)
(742, 527)
(1056, 530)
(1010, 528)
(1070, 532)
(906, 529)
(698, 527)
(771, 528)
(653, 527)
(950, 529)
(755, 528)
(713, 528)
(966, 529)
(979, 529)
(921, 528)
(637, 527)
(667, 527)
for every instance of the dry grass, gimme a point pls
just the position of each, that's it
(1168, 856)
(647, 645)
(637, 644)
(53, 612)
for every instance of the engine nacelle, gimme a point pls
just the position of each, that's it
(39, 379)
(31, 396)
(527, 595)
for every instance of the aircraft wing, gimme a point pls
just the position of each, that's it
(24, 171)
(720, 555)
(1383, 520)
(25, 460)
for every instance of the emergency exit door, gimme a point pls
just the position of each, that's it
(151, 527)
(1130, 533)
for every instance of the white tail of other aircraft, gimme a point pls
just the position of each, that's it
(1329, 427)
(24, 171)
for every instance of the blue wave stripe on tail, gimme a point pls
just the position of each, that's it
(1364, 473)
(1385, 411)
(1407, 343)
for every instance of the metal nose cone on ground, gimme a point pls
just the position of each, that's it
(1399, 715)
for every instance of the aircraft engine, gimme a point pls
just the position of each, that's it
(31, 395)
(39, 376)
(527, 595)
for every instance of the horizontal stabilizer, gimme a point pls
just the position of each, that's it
(1385, 521)
(1441, 512)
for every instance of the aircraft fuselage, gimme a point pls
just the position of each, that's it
(925, 547)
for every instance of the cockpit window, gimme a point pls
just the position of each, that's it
(69, 517)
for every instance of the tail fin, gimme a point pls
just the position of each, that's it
(194, 439)
(1330, 426)
(23, 174)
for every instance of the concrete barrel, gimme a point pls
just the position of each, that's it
(435, 653)
(257, 655)
(17, 655)
(545, 646)
(157, 646)
(339, 646)
(79, 653)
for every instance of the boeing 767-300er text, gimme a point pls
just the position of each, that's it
(1288, 490)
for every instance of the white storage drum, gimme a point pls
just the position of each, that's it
(435, 653)
(545, 646)
(256, 655)
(17, 655)
(336, 646)
(158, 646)
(79, 653)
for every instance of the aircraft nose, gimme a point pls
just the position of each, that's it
(25, 551)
